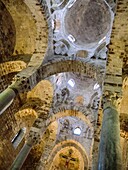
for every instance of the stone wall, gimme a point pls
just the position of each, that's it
(24, 36)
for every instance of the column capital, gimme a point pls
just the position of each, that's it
(110, 100)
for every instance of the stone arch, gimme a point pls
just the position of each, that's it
(31, 35)
(41, 123)
(11, 67)
(41, 101)
(65, 113)
(5, 80)
(7, 33)
(23, 43)
(63, 144)
(41, 104)
(29, 77)
(47, 91)
(41, 35)
(47, 15)
(30, 27)
(76, 113)
(35, 133)
(8, 71)
(37, 100)
(76, 108)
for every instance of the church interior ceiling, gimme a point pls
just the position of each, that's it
(60, 61)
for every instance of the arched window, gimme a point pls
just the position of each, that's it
(71, 82)
(77, 131)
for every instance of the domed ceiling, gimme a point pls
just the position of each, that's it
(80, 27)
(88, 21)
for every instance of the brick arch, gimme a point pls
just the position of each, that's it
(44, 120)
(41, 38)
(40, 102)
(33, 115)
(31, 33)
(40, 98)
(7, 33)
(32, 38)
(86, 111)
(6, 80)
(57, 147)
(47, 15)
(76, 113)
(11, 67)
(36, 106)
(29, 77)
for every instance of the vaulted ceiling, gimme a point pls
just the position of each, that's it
(59, 57)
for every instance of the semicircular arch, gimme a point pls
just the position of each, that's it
(29, 77)
(74, 113)
(64, 144)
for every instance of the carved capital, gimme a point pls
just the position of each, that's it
(110, 99)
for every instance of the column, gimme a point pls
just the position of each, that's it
(6, 98)
(17, 164)
(110, 150)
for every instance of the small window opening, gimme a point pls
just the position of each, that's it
(71, 3)
(71, 38)
(77, 131)
(102, 40)
(71, 82)
(96, 86)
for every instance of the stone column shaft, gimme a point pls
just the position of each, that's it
(17, 164)
(6, 98)
(109, 150)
